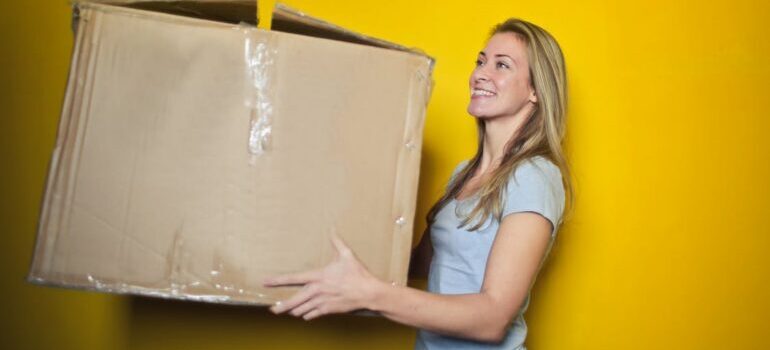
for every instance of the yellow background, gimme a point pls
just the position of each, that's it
(668, 245)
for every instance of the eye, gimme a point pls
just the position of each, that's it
(503, 65)
(479, 63)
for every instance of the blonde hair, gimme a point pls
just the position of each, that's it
(540, 135)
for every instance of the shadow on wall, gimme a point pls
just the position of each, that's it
(160, 324)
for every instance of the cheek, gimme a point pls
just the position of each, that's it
(517, 88)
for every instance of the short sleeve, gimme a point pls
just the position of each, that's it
(536, 186)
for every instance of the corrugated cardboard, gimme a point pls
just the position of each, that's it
(197, 155)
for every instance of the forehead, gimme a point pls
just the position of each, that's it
(506, 44)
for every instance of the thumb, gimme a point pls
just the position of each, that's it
(340, 246)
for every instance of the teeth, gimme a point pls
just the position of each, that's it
(479, 92)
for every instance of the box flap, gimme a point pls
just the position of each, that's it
(228, 11)
(289, 20)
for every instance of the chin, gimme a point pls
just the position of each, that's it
(479, 114)
(475, 112)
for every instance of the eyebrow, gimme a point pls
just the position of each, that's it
(500, 55)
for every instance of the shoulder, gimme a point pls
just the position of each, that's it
(536, 186)
(537, 168)
(459, 167)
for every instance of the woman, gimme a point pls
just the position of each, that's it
(494, 226)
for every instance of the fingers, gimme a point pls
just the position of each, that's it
(310, 305)
(314, 307)
(298, 298)
(292, 279)
(315, 313)
(339, 245)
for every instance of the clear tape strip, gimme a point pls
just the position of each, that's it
(259, 53)
(180, 292)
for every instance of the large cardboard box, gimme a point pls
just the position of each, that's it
(197, 154)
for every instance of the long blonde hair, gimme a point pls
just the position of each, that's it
(540, 135)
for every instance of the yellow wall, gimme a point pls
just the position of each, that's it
(666, 248)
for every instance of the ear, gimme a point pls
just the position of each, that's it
(532, 95)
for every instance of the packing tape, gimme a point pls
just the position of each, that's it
(259, 55)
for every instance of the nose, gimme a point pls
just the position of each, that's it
(479, 75)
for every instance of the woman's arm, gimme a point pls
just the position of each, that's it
(345, 285)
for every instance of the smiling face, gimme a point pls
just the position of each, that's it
(500, 84)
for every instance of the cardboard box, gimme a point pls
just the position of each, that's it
(197, 154)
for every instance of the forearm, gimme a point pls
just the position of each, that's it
(473, 316)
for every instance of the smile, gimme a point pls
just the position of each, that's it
(480, 92)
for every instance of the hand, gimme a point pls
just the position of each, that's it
(342, 286)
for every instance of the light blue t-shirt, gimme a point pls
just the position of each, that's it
(460, 256)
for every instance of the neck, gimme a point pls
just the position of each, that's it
(498, 131)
